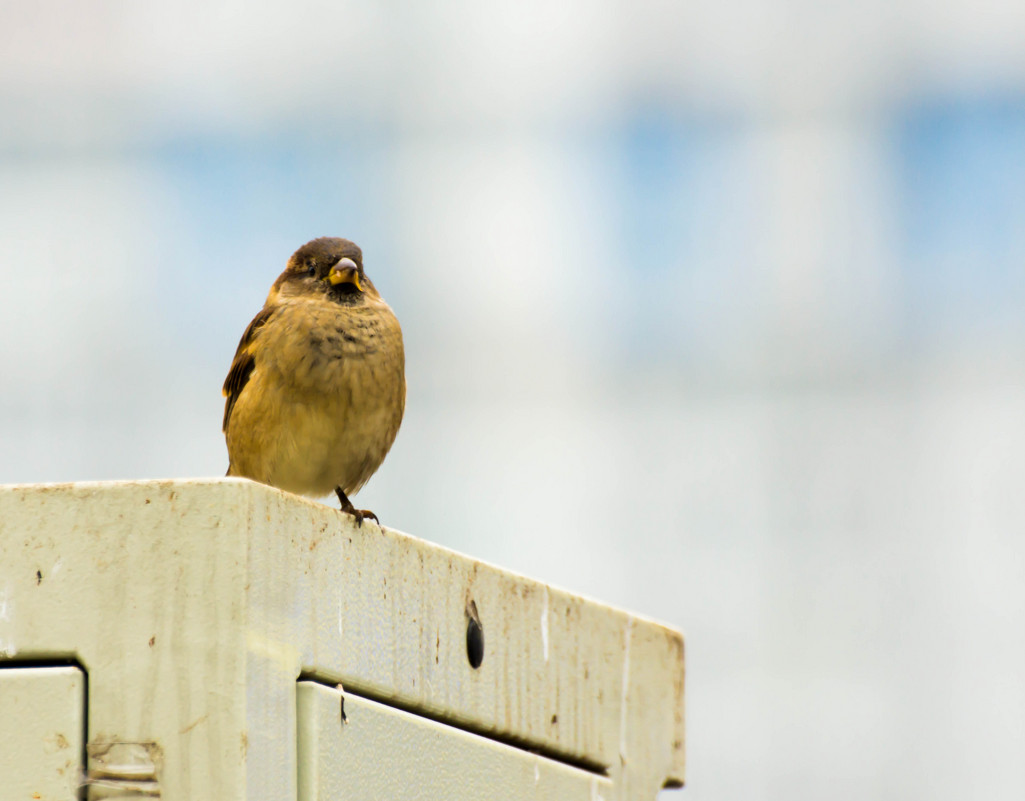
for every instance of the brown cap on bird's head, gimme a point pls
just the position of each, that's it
(327, 266)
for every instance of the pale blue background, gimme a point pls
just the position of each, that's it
(713, 311)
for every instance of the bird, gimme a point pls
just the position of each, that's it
(316, 392)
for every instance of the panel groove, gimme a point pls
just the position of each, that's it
(569, 760)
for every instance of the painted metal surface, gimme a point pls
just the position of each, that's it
(195, 605)
(41, 727)
(378, 752)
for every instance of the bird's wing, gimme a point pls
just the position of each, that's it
(243, 364)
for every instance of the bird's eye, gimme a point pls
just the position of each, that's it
(311, 270)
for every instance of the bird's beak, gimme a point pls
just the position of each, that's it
(345, 272)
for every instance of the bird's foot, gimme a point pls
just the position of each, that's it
(348, 508)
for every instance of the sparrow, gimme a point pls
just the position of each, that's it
(316, 392)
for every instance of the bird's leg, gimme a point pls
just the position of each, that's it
(348, 508)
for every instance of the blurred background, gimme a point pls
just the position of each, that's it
(713, 311)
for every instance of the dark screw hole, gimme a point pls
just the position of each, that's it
(474, 636)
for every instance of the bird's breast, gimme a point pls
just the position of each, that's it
(331, 388)
(331, 349)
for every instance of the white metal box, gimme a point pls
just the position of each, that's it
(239, 642)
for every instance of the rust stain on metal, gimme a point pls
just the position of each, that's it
(194, 723)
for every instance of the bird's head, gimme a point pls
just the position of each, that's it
(328, 267)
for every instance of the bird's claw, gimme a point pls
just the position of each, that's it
(348, 508)
(359, 514)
